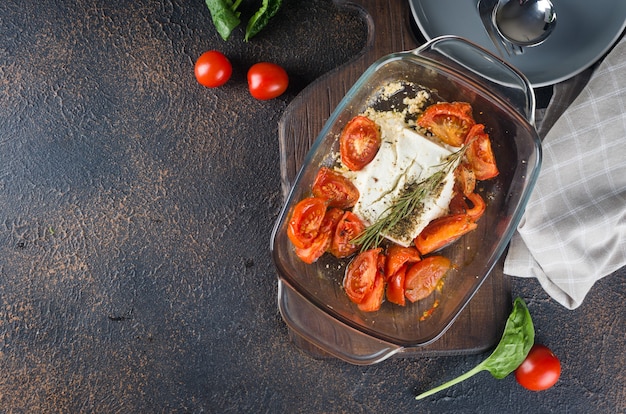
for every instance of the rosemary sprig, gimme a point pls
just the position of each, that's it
(404, 205)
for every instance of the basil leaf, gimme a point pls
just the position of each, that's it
(224, 15)
(518, 338)
(259, 20)
(516, 341)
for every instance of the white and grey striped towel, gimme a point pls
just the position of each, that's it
(573, 231)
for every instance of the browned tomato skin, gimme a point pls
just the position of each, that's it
(306, 219)
(398, 255)
(374, 300)
(359, 142)
(422, 277)
(336, 188)
(448, 121)
(348, 229)
(395, 286)
(320, 245)
(361, 275)
(465, 179)
(443, 231)
(322, 242)
(480, 154)
(478, 206)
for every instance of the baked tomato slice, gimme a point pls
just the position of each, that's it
(422, 277)
(359, 142)
(374, 299)
(459, 205)
(399, 255)
(317, 248)
(479, 153)
(336, 188)
(443, 231)
(322, 242)
(361, 275)
(348, 229)
(448, 121)
(465, 179)
(478, 206)
(306, 220)
(395, 286)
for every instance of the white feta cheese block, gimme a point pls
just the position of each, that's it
(404, 158)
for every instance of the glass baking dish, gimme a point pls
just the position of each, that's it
(311, 298)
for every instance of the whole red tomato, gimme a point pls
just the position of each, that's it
(540, 370)
(267, 80)
(213, 69)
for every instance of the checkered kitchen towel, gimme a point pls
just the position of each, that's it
(574, 229)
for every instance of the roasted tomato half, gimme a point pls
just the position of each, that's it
(306, 220)
(361, 275)
(359, 142)
(422, 277)
(337, 189)
(374, 299)
(443, 231)
(475, 208)
(325, 234)
(478, 206)
(465, 179)
(448, 121)
(399, 255)
(395, 286)
(348, 229)
(479, 153)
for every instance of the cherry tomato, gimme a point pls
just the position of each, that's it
(395, 286)
(359, 142)
(267, 80)
(540, 370)
(306, 220)
(449, 122)
(479, 153)
(399, 255)
(422, 277)
(361, 275)
(443, 231)
(348, 228)
(213, 69)
(322, 241)
(337, 189)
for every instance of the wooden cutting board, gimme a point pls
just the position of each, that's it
(480, 325)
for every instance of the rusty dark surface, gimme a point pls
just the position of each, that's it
(135, 214)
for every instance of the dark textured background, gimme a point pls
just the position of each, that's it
(135, 213)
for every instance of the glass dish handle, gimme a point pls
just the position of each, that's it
(327, 334)
(484, 68)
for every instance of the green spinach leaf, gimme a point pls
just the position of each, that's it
(259, 20)
(517, 339)
(224, 15)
